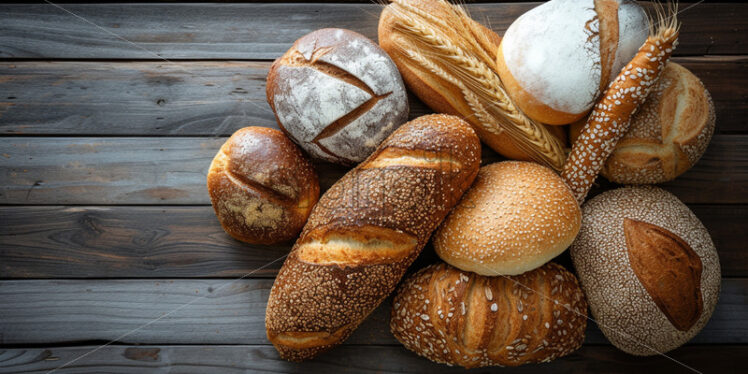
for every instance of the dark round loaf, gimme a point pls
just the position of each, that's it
(337, 95)
(262, 186)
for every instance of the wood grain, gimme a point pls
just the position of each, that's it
(346, 359)
(216, 98)
(154, 171)
(214, 311)
(187, 242)
(223, 31)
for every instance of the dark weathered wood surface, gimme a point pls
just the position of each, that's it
(346, 359)
(115, 171)
(216, 311)
(263, 31)
(188, 242)
(216, 98)
(104, 145)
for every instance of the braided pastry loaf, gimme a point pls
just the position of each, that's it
(366, 230)
(462, 318)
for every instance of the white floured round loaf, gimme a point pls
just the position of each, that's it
(514, 218)
(337, 95)
(555, 59)
(648, 267)
(667, 135)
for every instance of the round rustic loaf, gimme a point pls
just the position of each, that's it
(462, 318)
(648, 267)
(262, 186)
(667, 135)
(555, 59)
(514, 218)
(337, 95)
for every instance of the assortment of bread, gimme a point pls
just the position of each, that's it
(646, 265)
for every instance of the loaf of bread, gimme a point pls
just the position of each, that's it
(460, 318)
(337, 95)
(262, 186)
(448, 60)
(366, 230)
(557, 58)
(667, 135)
(514, 218)
(648, 267)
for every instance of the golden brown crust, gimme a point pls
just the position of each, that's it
(262, 187)
(401, 201)
(461, 318)
(677, 292)
(668, 134)
(438, 93)
(514, 218)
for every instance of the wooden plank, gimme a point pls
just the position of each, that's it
(347, 359)
(199, 98)
(222, 31)
(157, 171)
(187, 242)
(214, 311)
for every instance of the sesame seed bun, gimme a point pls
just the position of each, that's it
(516, 217)
(648, 267)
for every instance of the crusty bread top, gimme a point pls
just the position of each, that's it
(515, 217)
(618, 294)
(262, 186)
(366, 230)
(461, 318)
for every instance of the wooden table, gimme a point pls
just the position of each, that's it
(109, 117)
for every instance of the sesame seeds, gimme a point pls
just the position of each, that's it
(494, 307)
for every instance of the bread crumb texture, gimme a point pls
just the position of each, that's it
(515, 217)
(625, 311)
(461, 318)
(402, 203)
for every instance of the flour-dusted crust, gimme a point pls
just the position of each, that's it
(626, 312)
(462, 318)
(554, 56)
(337, 95)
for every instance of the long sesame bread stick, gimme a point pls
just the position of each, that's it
(609, 121)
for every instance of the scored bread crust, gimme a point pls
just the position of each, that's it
(440, 95)
(461, 318)
(667, 135)
(366, 230)
(514, 218)
(261, 186)
(620, 302)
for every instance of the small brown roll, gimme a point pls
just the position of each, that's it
(461, 318)
(262, 187)
(667, 135)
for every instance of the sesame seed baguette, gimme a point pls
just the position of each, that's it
(461, 318)
(366, 230)
(610, 118)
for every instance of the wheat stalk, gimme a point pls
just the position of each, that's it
(485, 89)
